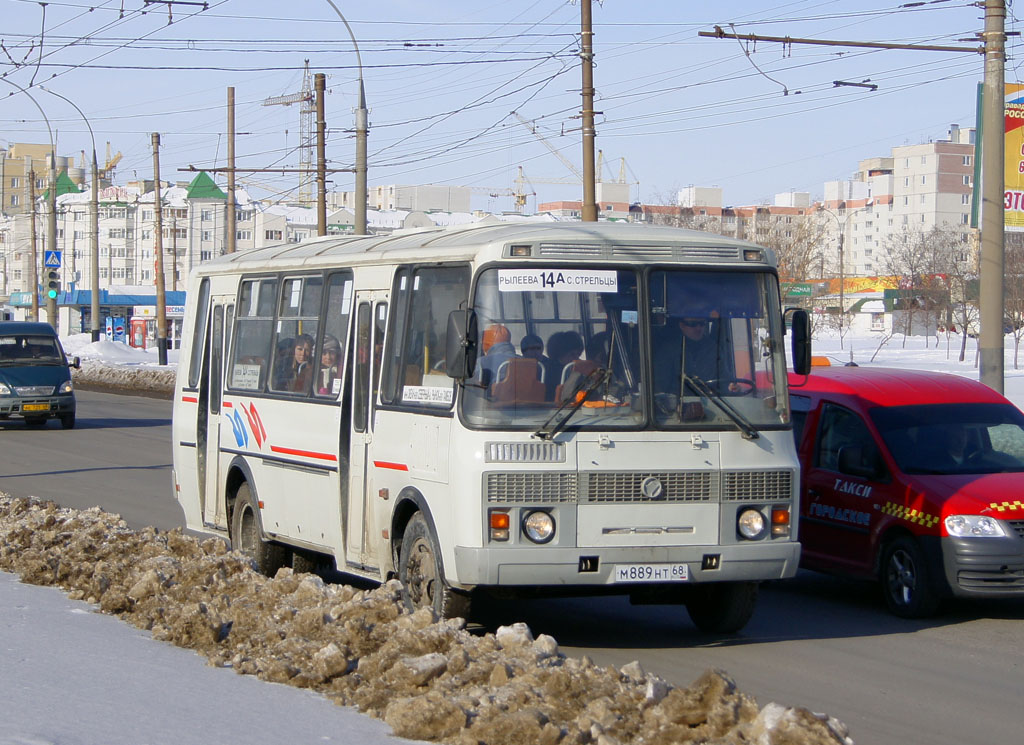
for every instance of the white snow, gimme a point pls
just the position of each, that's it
(73, 675)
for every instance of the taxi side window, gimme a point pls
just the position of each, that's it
(800, 407)
(845, 444)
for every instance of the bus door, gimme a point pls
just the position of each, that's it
(209, 410)
(368, 347)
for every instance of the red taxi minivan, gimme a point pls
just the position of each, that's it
(912, 478)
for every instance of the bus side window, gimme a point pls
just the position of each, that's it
(361, 380)
(331, 358)
(253, 329)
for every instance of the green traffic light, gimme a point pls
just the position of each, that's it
(51, 294)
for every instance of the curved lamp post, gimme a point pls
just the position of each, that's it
(842, 225)
(94, 228)
(51, 222)
(361, 127)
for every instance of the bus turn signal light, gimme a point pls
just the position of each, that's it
(780, 522)
(500, 521)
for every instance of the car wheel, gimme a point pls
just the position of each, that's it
(247, 535)
(422, 576)
(906, 581)
(67, 421)
(722, 607)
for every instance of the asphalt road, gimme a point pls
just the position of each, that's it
(815, 641)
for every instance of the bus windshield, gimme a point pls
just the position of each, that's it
(622, 348)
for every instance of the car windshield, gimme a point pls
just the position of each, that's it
(953, 438)
(37, 350)
(596, 348)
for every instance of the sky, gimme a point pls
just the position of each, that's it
(442, 80)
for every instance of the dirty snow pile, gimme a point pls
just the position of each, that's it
(116, 366)
(428, 679)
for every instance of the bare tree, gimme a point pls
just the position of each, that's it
(913, 256)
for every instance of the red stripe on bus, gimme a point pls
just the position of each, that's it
(190, 399)
(305, 453)
(392, 466)
(228, 404)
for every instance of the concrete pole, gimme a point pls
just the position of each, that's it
(34, 315)
(94, 249)
(362, 118)
(589, 212)
(320, 85)
(51, 234)
(232, 232)
(161, 295)
(990, 340)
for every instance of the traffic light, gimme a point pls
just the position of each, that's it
(52, 284)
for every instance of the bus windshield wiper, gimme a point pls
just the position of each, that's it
(584, 388)
(748, 430)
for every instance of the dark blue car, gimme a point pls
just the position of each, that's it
(35, 382)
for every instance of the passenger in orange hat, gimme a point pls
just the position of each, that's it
(497, 347)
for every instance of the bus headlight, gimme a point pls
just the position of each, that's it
(539, 526)
(974, 526)
(751, 524)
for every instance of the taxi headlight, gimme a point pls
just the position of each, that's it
(751, 523)
(974, 526)
(539, 526)
(65, 387)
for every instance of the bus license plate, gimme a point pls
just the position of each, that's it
(651, 573)
(36, 407)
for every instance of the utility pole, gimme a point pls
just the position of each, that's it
(161, 302)
(589, 212)
(94, 249)
(231, 230)
(51, 235)
(321, 155)
(35, 252)
(990, 339)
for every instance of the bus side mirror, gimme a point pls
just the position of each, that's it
(800, 325)
(461, 344)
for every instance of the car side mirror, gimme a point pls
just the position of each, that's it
(853, 462)
(76, 363)
(461, 344)
(800, 325)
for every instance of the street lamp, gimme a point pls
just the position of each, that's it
(51, 222)
(94, 228)
(843, 225)
(361, 126)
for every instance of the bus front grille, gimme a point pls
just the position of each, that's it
(757, 486)
(546, 487)
(679, 486)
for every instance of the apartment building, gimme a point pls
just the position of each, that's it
(20, 160)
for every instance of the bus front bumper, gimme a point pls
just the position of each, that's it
(596, 567)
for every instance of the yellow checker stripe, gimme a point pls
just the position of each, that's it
(910, 514)
(1006, 506)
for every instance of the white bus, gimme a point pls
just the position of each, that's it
(580, 408)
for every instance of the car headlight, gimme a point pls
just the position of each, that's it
(4, 390)
(751, 523)
(65, 387)
(539, 526)
(974, 526)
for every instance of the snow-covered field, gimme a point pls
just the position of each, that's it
(74, 677)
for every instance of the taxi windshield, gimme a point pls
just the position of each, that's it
(602, 347)
(37, 350)
(946, 439)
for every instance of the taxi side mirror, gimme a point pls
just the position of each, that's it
(800, 351)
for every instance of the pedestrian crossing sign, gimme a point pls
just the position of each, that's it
(51, 259)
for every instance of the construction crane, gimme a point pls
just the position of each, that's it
(519, 194)
(307, 112)
(107, 172)
(565, 161)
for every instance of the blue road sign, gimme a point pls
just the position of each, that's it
(51, 259)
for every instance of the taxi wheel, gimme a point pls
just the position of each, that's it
(247, 535)
(905, 580)
(421, 574)
(722, 607)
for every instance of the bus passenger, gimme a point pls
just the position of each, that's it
(300, 373)
(328, 366)
(497, 347)
(564, 348)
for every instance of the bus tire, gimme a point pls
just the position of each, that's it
(305, 562)
(247, 535)
(906, 581)
(422, 576)
(722, 607)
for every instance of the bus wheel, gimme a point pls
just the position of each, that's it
(722, 607)
(419, 569)
(905, 580)
(247, 535)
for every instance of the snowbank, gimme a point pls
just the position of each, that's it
(428, 679)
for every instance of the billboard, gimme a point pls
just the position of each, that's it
(1013, 169)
